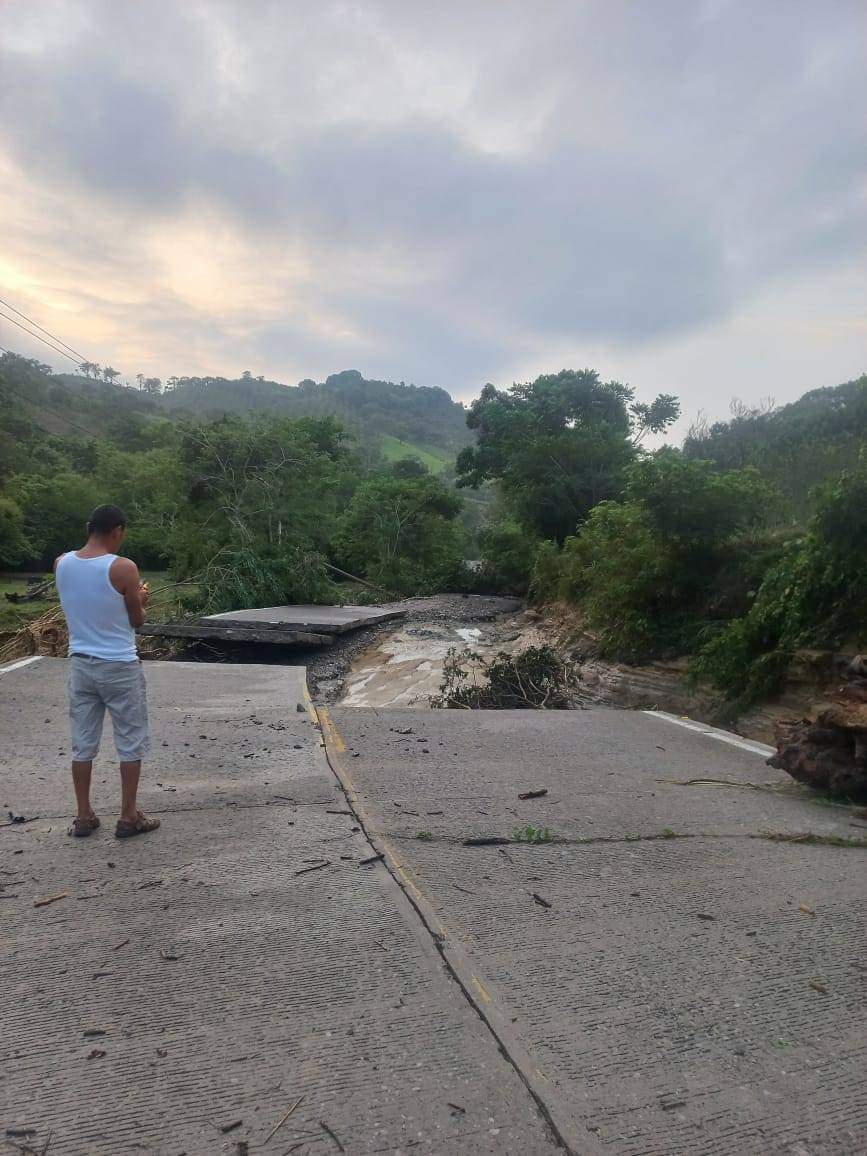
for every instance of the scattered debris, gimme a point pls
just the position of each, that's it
(231, 1126)
(456, 1108)
(333, 1135)
(17, 820)
(817, 986)
(371, 859)
(807, 910)
(170, 955)
(704, 915)
(718, 783)
(534, 794)
(542, 902)
(96, 1054)
(281, 1122)
(50, 899)
(826, 751)
(315, 867)
(810, 837)
(669, 1102)
(92, 1033)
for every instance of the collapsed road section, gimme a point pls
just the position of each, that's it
(301, 626)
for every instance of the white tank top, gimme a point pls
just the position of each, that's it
(95, 612)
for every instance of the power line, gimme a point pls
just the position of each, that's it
(30, 333)
(36, 325)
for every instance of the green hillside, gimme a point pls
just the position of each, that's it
(393, 449)
(369, 408)
(796, 446)
(395, 419)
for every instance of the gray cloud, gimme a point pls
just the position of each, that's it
(614, 173)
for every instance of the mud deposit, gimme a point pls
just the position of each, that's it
(405, 668)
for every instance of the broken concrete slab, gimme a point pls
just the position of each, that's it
(327, 619)
(229, 632)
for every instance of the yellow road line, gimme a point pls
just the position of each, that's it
(336, 744)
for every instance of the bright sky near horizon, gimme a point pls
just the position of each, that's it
(673, 193)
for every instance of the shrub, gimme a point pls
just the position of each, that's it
(242, 579)
(508, 552)
(647, 571)
(815, 595)
(402, 534)
(535, 679)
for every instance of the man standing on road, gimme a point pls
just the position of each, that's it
(104, 601)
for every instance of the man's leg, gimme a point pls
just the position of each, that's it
(125, 696)
(86, 714)
(81, 773)
(129, 776)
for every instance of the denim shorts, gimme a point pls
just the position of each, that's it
(96, 685)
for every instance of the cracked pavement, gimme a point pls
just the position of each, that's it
(673, 979)
(654, 979)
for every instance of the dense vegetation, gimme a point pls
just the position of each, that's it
(798, 446)
(741, 547)
(260, 506)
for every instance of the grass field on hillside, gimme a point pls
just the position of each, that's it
(394, 449)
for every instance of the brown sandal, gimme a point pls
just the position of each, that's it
(81, 828)
(141, 826)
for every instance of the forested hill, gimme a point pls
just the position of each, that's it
(423, 415)
(796, 446)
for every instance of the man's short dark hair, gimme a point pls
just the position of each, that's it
(104, 519)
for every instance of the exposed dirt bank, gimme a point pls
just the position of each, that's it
(400, 663)
(402, 666)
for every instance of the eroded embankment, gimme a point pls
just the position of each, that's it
(403, 666)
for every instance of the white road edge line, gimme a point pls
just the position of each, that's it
(21, 662)
(714, 733)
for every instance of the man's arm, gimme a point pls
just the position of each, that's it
(126, 580)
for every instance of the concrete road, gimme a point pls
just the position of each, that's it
(671, 972)
(187, 991)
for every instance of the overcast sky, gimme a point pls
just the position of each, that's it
(671, 191)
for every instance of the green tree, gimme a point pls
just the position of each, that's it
(558, 445)
(259, 499)
(402, 533)
(508, 553)
(647, 571)
(815, 596)
(14, 547)
(56, 508)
